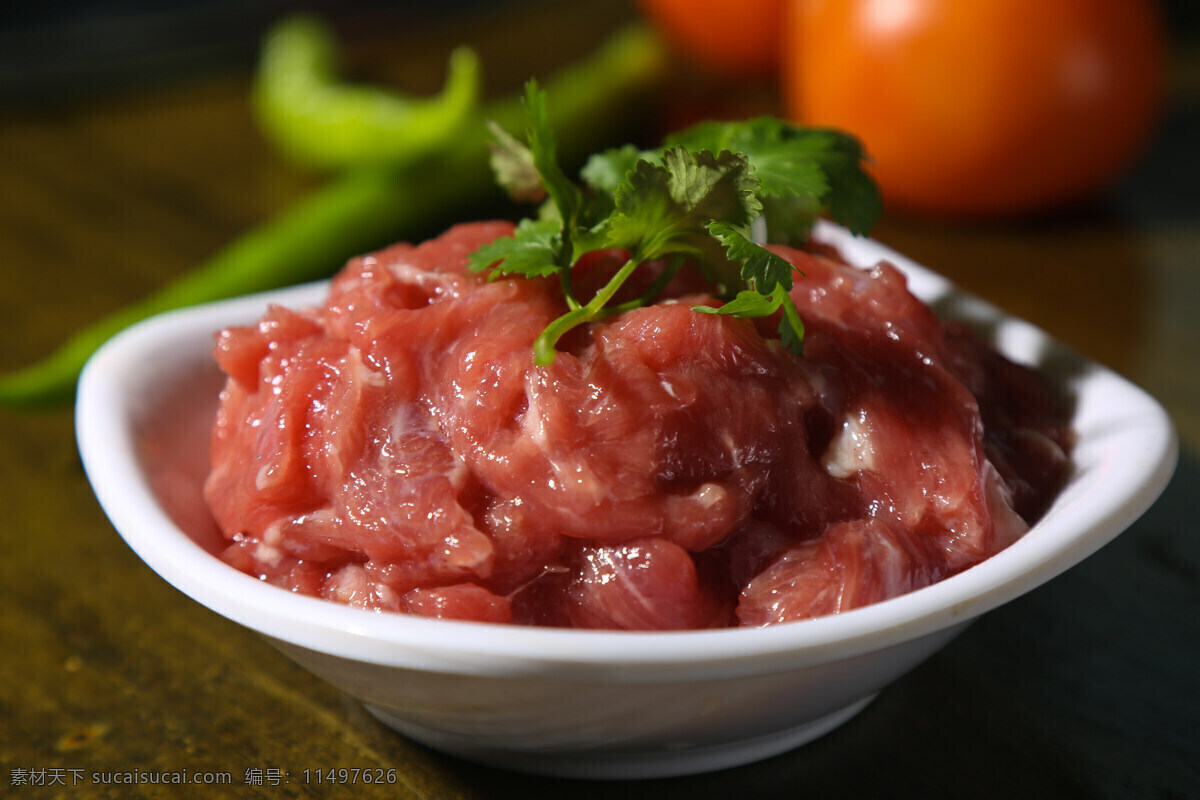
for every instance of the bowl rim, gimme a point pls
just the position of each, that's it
(1125, 456)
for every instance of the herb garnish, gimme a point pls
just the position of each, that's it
(692, 203)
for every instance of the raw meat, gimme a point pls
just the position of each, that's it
(397, 449)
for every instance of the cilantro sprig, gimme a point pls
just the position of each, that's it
(692, 203)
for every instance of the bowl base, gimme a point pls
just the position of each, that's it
(614, 764)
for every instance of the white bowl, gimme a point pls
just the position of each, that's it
(588, 703)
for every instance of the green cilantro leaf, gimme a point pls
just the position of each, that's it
(690, 203)
(665, 208)
(768, 277)
(512, 163)
(761, 269)
(750, 303)
(820, 165)
(605, 171)
(791, 327)
(533, 250)
(567, 196)
(720, 187)
(782, 155)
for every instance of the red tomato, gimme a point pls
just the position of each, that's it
(984, 107)
(731, 37)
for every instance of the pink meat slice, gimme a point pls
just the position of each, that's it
(853, 564)
(398, 449)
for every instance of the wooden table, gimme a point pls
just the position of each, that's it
(1087, 687)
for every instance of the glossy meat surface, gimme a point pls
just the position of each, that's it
(397, 449)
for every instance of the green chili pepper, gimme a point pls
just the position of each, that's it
(362, 208)
(317, 120)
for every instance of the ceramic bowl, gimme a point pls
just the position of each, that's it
(588, 703)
